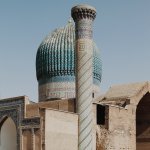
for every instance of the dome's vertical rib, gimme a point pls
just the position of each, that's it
(73, 52)
(59, 53)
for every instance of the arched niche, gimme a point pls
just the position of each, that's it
(143, 123)
(8, 134)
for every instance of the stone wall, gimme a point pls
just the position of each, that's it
(61, 130)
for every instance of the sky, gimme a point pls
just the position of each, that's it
(121, 31)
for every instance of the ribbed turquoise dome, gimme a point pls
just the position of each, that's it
(56, 56)
(55, 64)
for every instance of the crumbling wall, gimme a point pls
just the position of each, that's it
(120, 132)
(122, 125)
(102, 137)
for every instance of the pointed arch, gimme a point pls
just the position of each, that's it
(8, 134)
(143, 123)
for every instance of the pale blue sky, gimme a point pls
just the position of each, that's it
(121, 31)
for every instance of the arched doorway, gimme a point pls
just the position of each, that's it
(143, 123)
(8, 134)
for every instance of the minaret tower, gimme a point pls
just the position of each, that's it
(84, 15)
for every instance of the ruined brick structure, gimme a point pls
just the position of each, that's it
(123, 117)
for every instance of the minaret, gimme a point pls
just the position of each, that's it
(84, 15)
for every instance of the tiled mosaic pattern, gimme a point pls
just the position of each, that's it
(15, 109)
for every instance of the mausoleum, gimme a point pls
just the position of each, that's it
(71, 113)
